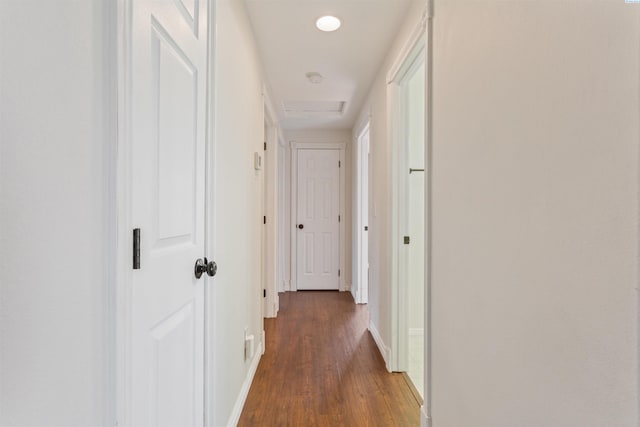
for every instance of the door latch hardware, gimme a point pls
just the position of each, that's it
(406, 240)
(136, 249)
(205, 266)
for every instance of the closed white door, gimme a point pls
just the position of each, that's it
(318, 227)
(168, 113)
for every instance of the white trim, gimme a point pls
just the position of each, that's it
(416, 332)
(295, 146)
(283, 226)
(210, 219)
(111, 131)
(363, 121)
(361, 294)
(417, 33)
(123, 201)
(384, 350)
(428, 152)
(399, 164)
(271, 188)
(425, 419)
(244, 390)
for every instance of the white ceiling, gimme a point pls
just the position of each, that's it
(348, 59)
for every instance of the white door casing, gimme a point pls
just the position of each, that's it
(318, 211)
(411, 53)
(362, 222)
(168, 113)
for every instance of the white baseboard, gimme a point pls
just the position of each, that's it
(244, 391)
(425, 420)
(384, 350)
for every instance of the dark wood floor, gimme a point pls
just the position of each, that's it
(322, 368)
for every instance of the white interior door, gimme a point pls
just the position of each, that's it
(317, 226)
(168, 113)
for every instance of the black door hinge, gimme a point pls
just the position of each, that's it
(265, 146)
(339, 164)
(264, 219)
(338, 272)
(264, 293)
(136, 249)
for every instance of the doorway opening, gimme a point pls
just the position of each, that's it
(408, 94)
(270, 217)
(317, 216)
(361, 270)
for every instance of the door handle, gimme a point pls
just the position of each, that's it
(300, 226)
(204, 266)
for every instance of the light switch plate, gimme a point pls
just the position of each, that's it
(257, 161)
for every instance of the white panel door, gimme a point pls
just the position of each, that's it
(318, 228)
(168, 113)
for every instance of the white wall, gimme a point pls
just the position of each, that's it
(302, 136)
(536, 124)
(57, 137)
(239, 128)
(380, 203)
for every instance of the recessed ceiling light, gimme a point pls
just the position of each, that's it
(328, 23)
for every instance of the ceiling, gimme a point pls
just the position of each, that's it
(348, 59)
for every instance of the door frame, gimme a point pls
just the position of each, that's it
(416, 46)
(271, 246)
(121, 300)
(361, 216)
(295, 146)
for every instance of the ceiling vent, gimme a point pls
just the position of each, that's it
(314, 108)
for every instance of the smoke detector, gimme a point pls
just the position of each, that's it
(314, 77)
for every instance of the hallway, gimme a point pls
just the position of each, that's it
(322, 368)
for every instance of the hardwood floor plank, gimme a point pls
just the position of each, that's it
(322, 368)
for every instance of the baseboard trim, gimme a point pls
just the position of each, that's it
(425, 420)
(244, 391)
(384, 350)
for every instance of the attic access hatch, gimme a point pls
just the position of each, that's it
(314, 108)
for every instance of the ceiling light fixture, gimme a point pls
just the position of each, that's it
(314, 77)
(328, 23)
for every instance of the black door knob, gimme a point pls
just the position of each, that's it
(300, 226)
(212, 268)
(204, 266)
(200, 267)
